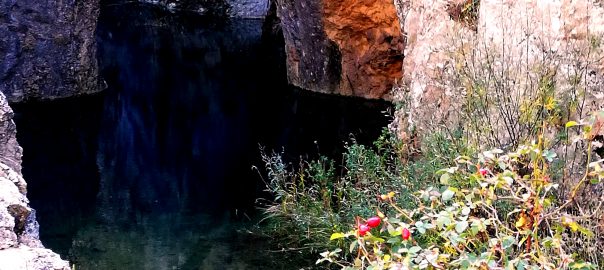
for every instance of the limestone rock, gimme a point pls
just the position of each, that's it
(26, 258)
(48, 48)
(10, 151)
(20, 247)
(523, 42)
(342, 47)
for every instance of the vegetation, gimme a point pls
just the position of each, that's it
(497, 211)
(504, 179)
(477, 210)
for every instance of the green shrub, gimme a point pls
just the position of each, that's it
(315, 198)
(493, 211)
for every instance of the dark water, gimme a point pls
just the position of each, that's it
(155, 172)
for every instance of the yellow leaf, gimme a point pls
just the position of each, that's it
(568, 222)
(571, 124)
(521, 221)
(573, 226)
(337, 236)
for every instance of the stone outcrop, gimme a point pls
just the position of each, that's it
(342, 47)
(48, 48)
(20, 247)
(452, 46)
(249, 9)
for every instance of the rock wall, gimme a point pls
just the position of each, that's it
(456, 47)
(350, 47)
(20, 247)
(48, 48)
(249, 9)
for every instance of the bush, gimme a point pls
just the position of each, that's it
(312, 199)
(463, 209)
(494, 211)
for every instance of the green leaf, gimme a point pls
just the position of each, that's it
(461, 226)
(352, 246)
(444, 179)
(335, 236)
(594, 181)
(549, 155)
(443, 221)
(448, 195)
(502, 165)
(415, 249)
(508, 242)
(521, 265)
(374, 239)
(420, 227)
(582, 265)
(393, 240)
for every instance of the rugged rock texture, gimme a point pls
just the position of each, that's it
(20, 247)
(342, 47)
(47, 48)
(10, 151)
(25, 258)
(452, 50)
(251, 9)
(248, 8)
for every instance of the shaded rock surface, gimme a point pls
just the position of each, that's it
(220, 8)
(248, 8)
(342, 47)
(20, 247)
(47, 48)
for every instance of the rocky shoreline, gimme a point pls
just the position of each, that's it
(20, 246)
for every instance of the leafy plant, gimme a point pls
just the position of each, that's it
(498, 210)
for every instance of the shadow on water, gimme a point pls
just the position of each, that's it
(155, 173)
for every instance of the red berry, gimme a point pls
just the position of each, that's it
(406, 234)
(363, 229)
(373, 222)
(482, 171)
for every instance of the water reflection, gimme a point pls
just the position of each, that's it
(155, 173)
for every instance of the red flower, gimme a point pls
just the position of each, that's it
(363, 229)
(373, 222)
(406, 234)
(482, 171)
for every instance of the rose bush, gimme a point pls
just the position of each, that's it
(496, 211)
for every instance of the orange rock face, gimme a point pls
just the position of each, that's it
(347, 47)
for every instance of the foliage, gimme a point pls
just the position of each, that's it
(314, 198)
(494, 211)
(535, 203)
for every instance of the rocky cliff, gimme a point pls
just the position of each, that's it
(499, 56)
(249, 9)
(20, 247)
(342, 47)
(47, 48)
